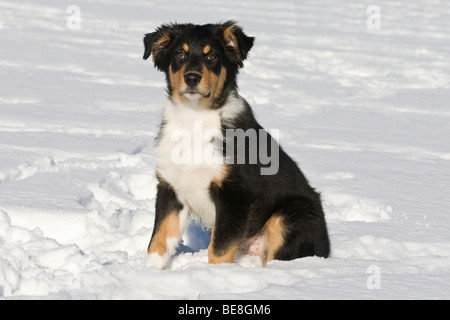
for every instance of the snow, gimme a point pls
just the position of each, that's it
(364, 112)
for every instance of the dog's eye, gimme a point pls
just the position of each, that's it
(180, 56)
(211, 57)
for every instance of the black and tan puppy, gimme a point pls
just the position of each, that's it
(216, 163)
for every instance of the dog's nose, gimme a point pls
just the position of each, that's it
(192, 79)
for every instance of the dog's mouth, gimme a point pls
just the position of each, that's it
(193, 93)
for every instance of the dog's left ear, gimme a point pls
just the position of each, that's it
(237, 43)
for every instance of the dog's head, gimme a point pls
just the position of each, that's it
(201, 62)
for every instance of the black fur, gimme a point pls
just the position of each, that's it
(254, 198)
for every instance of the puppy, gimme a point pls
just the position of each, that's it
(216, 163)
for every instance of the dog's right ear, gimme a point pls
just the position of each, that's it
(157, 44)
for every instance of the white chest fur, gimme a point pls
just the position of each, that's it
(186, 156)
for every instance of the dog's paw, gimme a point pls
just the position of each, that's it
(157, 261)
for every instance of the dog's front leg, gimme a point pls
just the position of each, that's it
(170, 221)
(220, 252)
(229, 228)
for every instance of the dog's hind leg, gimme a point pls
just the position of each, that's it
(306, 231)
(266, 243)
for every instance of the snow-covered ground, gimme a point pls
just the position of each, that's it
(364, 111)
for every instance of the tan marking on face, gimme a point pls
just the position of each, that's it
(185, 47)
(205, 86)
(220, 83)
(213, 84)
(177, 83)
(206, 49)
(169, 228)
